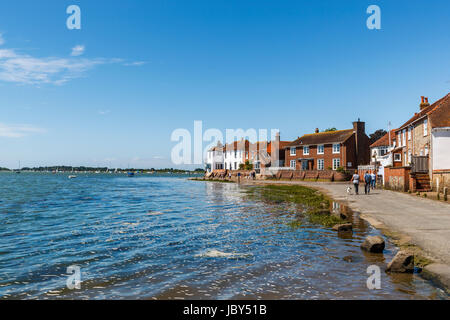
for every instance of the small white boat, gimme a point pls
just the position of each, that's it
(72, 177)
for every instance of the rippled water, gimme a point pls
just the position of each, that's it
(170, 238)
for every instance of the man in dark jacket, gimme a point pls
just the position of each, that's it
(367, 179)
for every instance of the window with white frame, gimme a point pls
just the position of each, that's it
(320, 164)
(404, 137)
(293, 151)
(320, 149)
(336, 163)
(425, 127)
(399, 139)
(409, 156)
(409, 133)
(293, 164)
(426, 150)
(397, 157)
(305, 150)
(336, 148)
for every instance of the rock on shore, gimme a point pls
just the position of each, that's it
(343, 227)
(403, 262)
(374, 244)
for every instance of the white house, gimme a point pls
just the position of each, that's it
(380, 152)
(235, 154)
(214, 158)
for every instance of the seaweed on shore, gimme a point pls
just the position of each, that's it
(313, 204)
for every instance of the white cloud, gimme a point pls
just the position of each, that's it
(18, 131)
(25, 69)
(77, 51)
(135, 64)
(103, 112)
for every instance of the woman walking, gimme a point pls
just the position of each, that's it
(355, 180)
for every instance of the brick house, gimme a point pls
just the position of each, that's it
(268, 154)
(423, 144)
(329, 150)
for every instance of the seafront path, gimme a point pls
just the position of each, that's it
(424, 221)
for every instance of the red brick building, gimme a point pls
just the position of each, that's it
(329, 150)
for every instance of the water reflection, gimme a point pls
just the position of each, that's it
(169, 238)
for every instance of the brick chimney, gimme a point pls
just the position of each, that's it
(361, 143)
(424, 103)
(317, 130)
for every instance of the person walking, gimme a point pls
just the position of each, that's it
(355, 180)
(373, 180)
(367, 179)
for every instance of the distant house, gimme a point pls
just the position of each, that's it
(264, 155)
(380, 152)
(422, 150)
(235, 154)
(214, 158)
(344, 149)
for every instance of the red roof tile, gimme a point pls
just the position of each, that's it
(384, 140)
(322, 138)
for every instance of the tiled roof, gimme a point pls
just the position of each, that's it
(322, 138)
(440, 115)
(384, 140)
(426, 110)
(238, 145)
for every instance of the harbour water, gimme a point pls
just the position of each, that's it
(159, 237)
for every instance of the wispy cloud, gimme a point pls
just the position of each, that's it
(18, 131)
(78, 51)
(103, 112)
(135, 63)
(23, 68)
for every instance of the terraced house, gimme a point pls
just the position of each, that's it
(421, 159)
(331, 150)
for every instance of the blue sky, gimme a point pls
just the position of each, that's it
(141, 69)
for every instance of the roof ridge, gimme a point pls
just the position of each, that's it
(439, 102)
(327, 132)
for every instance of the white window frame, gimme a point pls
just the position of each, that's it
(425, 127)
(338, 145)
(334, 163)
(293, 151)
(320, 167)
(397, 157)
(293, 164)
(404, 137)
(304, 150)
(409, 133)
(321, 146)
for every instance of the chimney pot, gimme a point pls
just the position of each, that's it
(426, 100)
(317, 130)
(423, 98)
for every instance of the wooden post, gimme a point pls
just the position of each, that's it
(445, 193)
